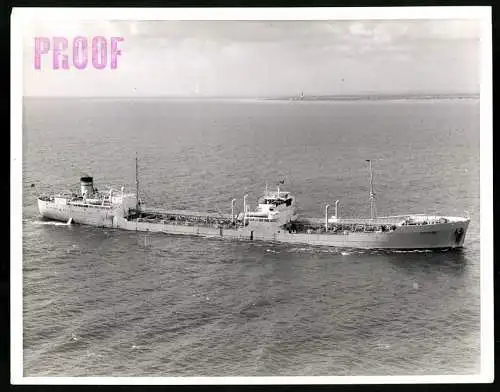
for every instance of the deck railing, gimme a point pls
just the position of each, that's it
(389, 220)
(360, 221)
(186, 213)
(260, 219)
(106, 206)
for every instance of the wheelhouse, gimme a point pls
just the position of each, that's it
(275, 199)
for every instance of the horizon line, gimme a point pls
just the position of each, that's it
(280, 96)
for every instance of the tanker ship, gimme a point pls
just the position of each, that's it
(274, 219)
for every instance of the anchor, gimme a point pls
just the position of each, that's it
(459, 233)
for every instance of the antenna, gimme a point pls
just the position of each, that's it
(372, 193)
(244, 209)
(326, 216)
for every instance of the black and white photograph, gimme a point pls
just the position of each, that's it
(251, 196)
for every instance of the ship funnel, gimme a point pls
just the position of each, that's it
(86, 186)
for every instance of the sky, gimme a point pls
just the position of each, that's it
(263, 58)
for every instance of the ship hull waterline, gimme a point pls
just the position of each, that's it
(412, 237)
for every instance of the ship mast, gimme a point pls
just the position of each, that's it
(372, 193)
(136, 184)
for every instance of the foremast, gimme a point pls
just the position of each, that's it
(373, 208)
(137, 202)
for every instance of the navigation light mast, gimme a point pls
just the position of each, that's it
(372, 192)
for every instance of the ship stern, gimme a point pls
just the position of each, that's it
(47, 209)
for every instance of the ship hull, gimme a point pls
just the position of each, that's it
(437, 236)
(91, 215)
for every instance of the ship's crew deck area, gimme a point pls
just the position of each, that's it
(67, 196)
(76, 200)
(383, 224)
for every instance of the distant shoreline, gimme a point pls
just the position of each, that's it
(375, 97)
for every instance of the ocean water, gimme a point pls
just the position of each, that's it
(114, 303)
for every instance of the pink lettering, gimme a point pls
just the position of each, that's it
(80, 57)
(60, 44)
(115, 52)
(76, 53)
(99, 52)
(42, 46)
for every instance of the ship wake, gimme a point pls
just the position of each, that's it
(52, 223)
